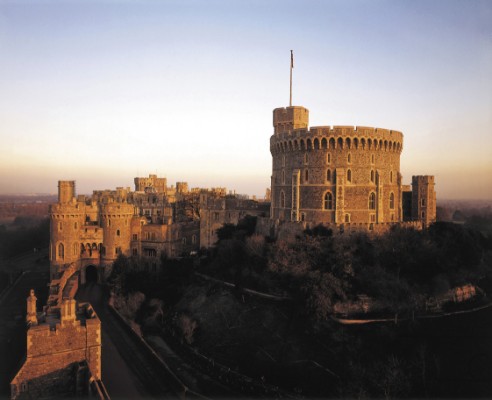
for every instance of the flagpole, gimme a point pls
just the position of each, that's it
(291, 66)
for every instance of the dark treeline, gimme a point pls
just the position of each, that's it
(295, 344)
(25, 235)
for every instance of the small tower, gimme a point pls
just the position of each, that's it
(423, 199)
(286, 119)
(31, 317)
(66, 191)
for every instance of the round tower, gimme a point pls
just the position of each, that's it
(116, 223)
(334, 175)
(67, 220)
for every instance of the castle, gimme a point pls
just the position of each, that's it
(344, 177)
(152, 222)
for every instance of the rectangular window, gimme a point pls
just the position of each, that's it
(216, 216)
(135, 236)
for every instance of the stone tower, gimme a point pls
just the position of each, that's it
(423, 199)
(342, 175)
(67, 218)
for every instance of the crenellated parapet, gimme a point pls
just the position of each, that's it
(337, 137)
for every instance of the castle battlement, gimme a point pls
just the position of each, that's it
(335, 137)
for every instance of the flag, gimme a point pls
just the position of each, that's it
(291, 59)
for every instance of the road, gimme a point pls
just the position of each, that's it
(127, 371)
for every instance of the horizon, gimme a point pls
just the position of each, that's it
(104, 92)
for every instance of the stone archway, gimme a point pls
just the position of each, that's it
(91, 274)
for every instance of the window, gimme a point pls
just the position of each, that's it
(283, 161)
(61, 251)
(306, 175)
(391, 176)
(75, 249)
(134, 236)
(423, 214)
(75, 225)
(392, 201)
(184, 241)
(328, 175)
(303, 217)
(282, 199)
(347, 217)
(216, 216)
(328, 201)
(117, 250)
(372, 176)
(392, 217)
(109, 222)
(152, 235)
(328, 158)
(372, 201)
(193, 239)
(372, 158)
(148, 252)
(349, 175)
(306, 159)
(60, 226)
(422, 202)
(373, 217)
(283, 176)
(118, 232)
(349, 158)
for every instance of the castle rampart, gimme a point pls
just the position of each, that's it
(62, 341)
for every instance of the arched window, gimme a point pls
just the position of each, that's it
(328, 158)
(372, 201)
(391, 176)
(328, 201)
(283, 176)
(372, 176)
(328, 175)
(282, 199)
(372, 158)
(349, 158)
(422, 202)
(306, 176)
(118, 232)
(392, 201)
(306, 159)
(61, 251)
(349, 175)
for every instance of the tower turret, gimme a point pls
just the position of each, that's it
(66, 191)
(286, 119)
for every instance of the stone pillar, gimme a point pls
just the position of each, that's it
(31, 317)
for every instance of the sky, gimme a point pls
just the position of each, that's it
(103, 91)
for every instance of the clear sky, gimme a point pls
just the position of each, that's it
(103, 91)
